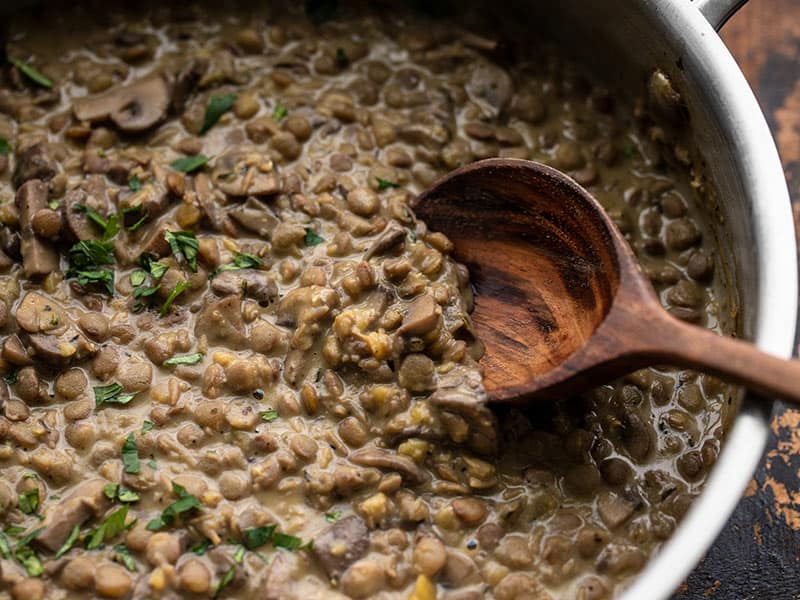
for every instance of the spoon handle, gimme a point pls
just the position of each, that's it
(731, 359)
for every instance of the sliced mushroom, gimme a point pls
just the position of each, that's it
(34, 162)
(39, 258)
(255, 216)
(51, 334)
(186, 82)
(258, 285)
(211, 205)
(384, 459)
(422, 316)
(132, 108)
(308, 304)
(243, 173)
(491, 88)
(222, 323)
(85, 502)
(341, 544)
(393, 237)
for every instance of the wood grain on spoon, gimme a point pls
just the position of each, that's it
(562, 304)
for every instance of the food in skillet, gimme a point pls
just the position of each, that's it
(235, 363)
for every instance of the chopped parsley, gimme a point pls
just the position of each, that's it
(86, 278)
(123, 555)
(11, 377)
(242, 260)
(144, 292)
(5, 546)
(270, 415)
(225, 581)
(181, 287)
(91, 253)
(5, 147)
(26, 556)
(130, 455)
(137, 212)
(201, 547)
(111, 394)
(70, 541)
(53, 205)
(150, 264)
(184, 243)
(238, 557)
(110, 225)
(14, 530)
(147, 426)
(217, 106)
(186, 359)
(31, 73)
(279, 112)
(137, 278)
(189, 164)
(258, 536)
(29, 501)
(311, 238)
(333, 516)
(109, 529)
(134, 183)
(115, 492)
(185, 503)
(152, 463)
(385, 184)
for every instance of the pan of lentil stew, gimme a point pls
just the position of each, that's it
(236, 365)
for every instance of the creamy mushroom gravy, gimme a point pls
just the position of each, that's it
(237, 366)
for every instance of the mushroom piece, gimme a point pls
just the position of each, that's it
(255, 216)
(383, 459)
(491, 88)
(211, 205)
(86, 501)
(421, 317)
(245, 172)
(222, 322)
(392, 237)
(39, 258)
(34, 162)
(51, 334)
(341, 544)
(258, 285)
(135, 107)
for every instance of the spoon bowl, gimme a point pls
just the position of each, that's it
(561, 303)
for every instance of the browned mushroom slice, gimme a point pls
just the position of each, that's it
(52, 336)
(422, 316)
(222, 323)
(85, 502)
(34, 162)
(341, 544)
(212, 207)
(135, 107)
(390, 461)
(39, 258)
(245, 173)
(186, 82)
(255, 216)
(391, 238)
(258, 285)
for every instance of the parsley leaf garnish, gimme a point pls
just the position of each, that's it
(130, 455)
(91, 253)
(11, 377)
(31, 73)
(333, 516)
(114, 491)
(134, 183)
(280, 112)
(137, 212)
(26, 556)
(109, 529)
(268, 416)
(86, 278)
(241, 260)
(147, 426)
(186, 359)
(200, 547)
(123, 555)
(311, 238)
(29, 501)
(186, 502)
(180, 287)
(110, 225)
(70, 541)
(5, 147)
(258, 536)
(286, 541)
(184, 243)
(189, 164)
(217, 106)
(111, 394)
(137, 278)
(225, 581)
(385, 184)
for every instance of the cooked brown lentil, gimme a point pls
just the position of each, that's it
(226, 337)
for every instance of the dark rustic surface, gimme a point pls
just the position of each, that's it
(758, 554)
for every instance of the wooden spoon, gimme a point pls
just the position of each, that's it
(562, 304)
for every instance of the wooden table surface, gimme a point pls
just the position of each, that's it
(758, 554)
